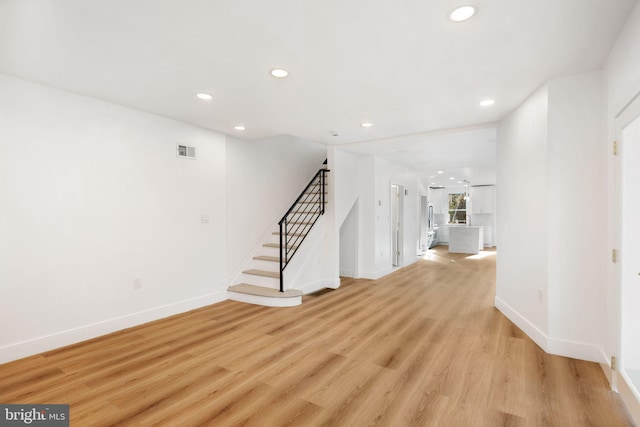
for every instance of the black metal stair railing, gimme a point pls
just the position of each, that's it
(300, 218)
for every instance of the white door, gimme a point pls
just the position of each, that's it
(628, 380)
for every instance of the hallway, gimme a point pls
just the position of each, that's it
(423, 346)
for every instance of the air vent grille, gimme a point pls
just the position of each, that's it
(186, 152)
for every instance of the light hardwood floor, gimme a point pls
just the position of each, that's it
(423, 346)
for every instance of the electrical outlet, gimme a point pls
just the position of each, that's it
(137, 283)
(540, 294)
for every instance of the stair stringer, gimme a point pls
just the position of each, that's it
(307, 270)
(259, 249)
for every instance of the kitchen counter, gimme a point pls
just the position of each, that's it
(465, 239)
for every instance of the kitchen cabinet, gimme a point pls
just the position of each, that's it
(443, 234)
(487, 235)
(483, 199)
(437, 200)
(465, 239)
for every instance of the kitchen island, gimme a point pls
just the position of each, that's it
(465, 239)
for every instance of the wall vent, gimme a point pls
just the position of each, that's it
(186, 152)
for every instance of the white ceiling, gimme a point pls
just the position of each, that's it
(463, 154)
(402, 65)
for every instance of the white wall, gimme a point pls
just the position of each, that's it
(92, 197)
(368, 180)
(577, 212)
(349, 243)
(346, 181)
(387, 173)
(264, 177)
(367, 207)
(551, 174)
(522, 208)
(344, 169)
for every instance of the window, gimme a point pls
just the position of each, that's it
(457, 208)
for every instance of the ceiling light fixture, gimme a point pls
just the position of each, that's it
(440, 171)
(204, 96)
(279, 72)
(366, 125)
(451, 178)
(462, 13)
(239, 127)
(487, 103)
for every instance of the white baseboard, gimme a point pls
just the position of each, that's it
(63, 338)
(411, 261)
(318, 285)
(521, 322)
(566, 348)
(575, 350)
(347, 273)
(375, 275)
(629, 397)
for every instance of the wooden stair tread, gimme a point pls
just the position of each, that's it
(267, 258)
(264, 273)
(276, 245)
(245, 288)
(277, 233)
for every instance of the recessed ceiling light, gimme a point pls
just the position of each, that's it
(440, 171)
(451, 178)
(279, 72)
(487, 103)
(204, 96)
(366, 125)
(239, 127)
(459, 182)
(433, 183)
(462, 13)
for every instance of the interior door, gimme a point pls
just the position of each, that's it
(628, 373)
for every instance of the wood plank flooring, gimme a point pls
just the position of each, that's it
(423, 346)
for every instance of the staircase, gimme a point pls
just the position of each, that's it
(263, 281)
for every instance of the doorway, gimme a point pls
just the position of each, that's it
(628, 129)
(397, 214)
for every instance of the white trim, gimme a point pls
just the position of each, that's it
(606, 368)
(348, 273)
(628, 112)
(628, 396)
(375, 275)
(265, 301)
(575, 350)
(566, 348)
(320, 284)
(60, 339)
(411, 261)
(529, 328)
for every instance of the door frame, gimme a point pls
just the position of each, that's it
(400, 206)
(627, 115)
